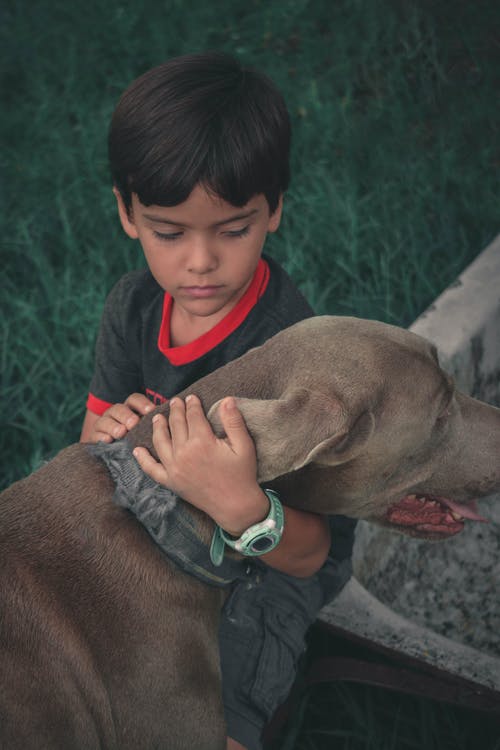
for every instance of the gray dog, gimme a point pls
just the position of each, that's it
(105, 643)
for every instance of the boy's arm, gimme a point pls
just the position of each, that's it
(219, 477)
(304, 545)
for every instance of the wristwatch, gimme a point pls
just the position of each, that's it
(258, 539)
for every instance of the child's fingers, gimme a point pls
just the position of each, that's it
(120, 418)
(197, 422)
(157, 470)
(235, 427)
(139, 403)
(150, 466)
(177, 422)
(123, 414)
(162, 440)
(107, 425)
(101, 437)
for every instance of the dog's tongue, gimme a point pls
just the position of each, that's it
(467, 510)
(433, 514)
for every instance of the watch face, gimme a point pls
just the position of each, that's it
(261, 537)
(262, 544)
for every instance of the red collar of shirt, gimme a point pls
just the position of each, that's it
(182, 355)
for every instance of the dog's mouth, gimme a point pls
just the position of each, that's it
(431, 516)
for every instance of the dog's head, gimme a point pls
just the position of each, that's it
(362, 421)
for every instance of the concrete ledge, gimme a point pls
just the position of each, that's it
(357, 611)
(439, 603)
(464, 324)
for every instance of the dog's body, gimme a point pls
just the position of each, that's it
(91, 624)
(105, 644)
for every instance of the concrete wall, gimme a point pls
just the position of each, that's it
(439, 602)
(464, 324)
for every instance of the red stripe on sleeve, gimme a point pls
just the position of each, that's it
(97, 405)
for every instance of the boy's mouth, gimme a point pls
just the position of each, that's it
(200, 291)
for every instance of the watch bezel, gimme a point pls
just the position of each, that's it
(270, 528)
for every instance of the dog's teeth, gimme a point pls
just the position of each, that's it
(457, 516)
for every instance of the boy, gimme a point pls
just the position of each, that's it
(199, 153)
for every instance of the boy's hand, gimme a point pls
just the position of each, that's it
(217, 475)
(120, 418)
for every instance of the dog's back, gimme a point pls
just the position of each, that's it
(93, 623)
(104, 644)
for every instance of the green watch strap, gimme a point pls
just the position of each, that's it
(258, 539)
(217, 547)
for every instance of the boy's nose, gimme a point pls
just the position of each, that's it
(202, 257)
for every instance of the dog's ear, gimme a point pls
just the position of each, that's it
(301, 427)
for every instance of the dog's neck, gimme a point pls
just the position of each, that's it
(168, 520)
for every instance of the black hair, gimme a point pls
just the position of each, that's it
(200, 119)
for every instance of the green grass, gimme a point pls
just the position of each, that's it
(395, 169)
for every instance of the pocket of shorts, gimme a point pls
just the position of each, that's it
(283, 645)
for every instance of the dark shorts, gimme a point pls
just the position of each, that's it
(262, 633)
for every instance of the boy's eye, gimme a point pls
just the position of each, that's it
(237, 232)
(172, 236)
(169, 237)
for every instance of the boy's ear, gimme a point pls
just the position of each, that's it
(126, 217)
(275, 217)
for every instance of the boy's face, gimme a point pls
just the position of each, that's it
(204, 251)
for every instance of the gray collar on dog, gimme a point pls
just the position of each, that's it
(164, 516)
